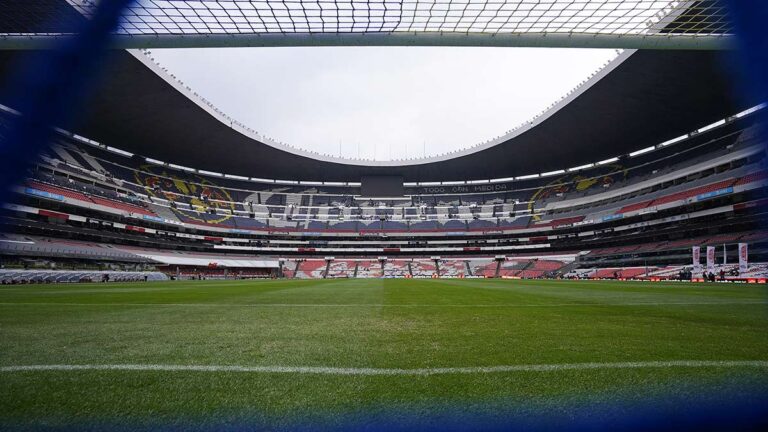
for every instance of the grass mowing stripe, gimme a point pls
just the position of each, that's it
(403, 305)
(321, 370)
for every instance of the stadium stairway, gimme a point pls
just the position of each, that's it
(64, 155)
(528, 266)
(92, 162)
(294, 200)
(164, 212)
(568, 267)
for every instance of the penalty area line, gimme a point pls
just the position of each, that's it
(322, 370)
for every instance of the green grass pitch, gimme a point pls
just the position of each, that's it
(365, 346)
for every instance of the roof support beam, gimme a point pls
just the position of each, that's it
(522, 40)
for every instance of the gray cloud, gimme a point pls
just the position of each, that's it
(382, 102)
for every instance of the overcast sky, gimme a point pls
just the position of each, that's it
(382, 103)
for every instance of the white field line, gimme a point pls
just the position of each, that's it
(413, 305)
(321, 370)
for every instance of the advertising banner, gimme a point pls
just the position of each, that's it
(710, 259)
(743, 257)
(696, 259)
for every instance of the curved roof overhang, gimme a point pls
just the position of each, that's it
(642, 98)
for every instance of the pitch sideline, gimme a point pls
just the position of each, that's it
(322, 370)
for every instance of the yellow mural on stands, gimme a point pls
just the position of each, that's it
(576, 183)
(191, 191)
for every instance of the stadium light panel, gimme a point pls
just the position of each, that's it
(235, 177)
(751, 110)
(526, 177)
(674, 140)
(579, 168)
(501, 180)
(210, 173)
(551, 173)
(118, 151)
(181, 167)
(80, 138)
(154, 161)
(607, 161)
(642, 151)
(712, 126)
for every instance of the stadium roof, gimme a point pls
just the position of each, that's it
(681, 24)
(640, 99)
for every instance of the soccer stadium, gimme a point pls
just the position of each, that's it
(601, 267)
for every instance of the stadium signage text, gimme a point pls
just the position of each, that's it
(463, 189)
(36, 192)
(708, 195)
